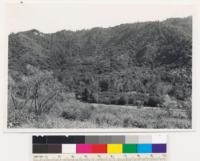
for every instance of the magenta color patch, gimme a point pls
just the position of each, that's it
(83, 148)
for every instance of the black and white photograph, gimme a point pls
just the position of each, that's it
(99, 66)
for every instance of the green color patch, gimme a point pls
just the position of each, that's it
(129, 148)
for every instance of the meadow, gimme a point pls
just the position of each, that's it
(76, 114)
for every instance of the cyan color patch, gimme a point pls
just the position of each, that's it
(144, 148)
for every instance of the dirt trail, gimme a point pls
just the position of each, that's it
(134, 107)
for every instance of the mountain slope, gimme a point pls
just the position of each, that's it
(150, 59)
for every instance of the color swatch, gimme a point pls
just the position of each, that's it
(99, 144)
(129, 148)
(114, 148)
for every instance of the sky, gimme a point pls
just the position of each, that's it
(54, 17)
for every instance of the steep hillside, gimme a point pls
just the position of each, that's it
(118, 65)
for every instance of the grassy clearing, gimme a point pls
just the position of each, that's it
(75, 114)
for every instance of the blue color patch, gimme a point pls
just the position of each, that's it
(144, 148)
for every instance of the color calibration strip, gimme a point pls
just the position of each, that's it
(100, 144)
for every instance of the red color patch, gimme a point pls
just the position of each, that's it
(99, 148)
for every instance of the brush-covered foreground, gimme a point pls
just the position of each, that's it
(75, 114)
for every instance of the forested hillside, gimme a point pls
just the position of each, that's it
(142, 64)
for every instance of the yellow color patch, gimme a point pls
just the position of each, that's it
(114, 148)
